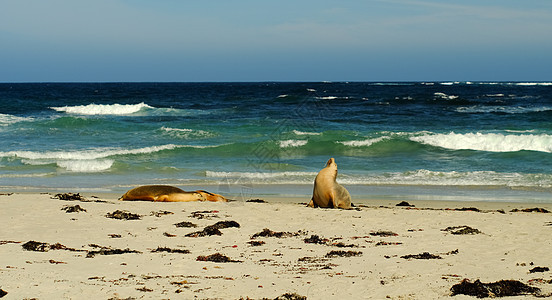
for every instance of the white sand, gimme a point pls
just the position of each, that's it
(510, 245)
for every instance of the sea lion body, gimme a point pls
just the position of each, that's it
(327, 193)
(167, 193)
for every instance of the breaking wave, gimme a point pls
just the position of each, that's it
(103, 109)
(492, 142)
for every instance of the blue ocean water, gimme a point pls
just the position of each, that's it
(462, 140)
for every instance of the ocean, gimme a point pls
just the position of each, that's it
(467, 141)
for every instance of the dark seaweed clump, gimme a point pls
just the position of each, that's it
(205, 214)
(468, 209)
(109, 251)
(217, 257)
(536, 209)
(169, 250)
(256, 201)
(500, 288)
(70, 197)
(3, 293)
(461, 230)
(341, 253)
(123, 215)
(539, 269)
(269, 233)
(72, 209)
(214, 229)
(383, 233)
(185, 224)
(315, 239)
(425, 255)
(291, 296)
(161, 213)
(256, 243)
(45, 247)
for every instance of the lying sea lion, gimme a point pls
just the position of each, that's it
(167, 193)
(327, 193)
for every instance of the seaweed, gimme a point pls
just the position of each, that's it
(45, 247)
(70, 197)
(161, 213)
(123, 215)
(269, 233)
(539, 269)
(207, 231)
(425, 255)
(536, 209)
(9, 242)
(383, 233)
(341, 253)
(3, 293)
(291, 296)
(468, 209)
(72, 209)
(225, 224)
(382, 243)
(169, 250)
(214, 229)
(404, 203)
(256, 201)
(461, 230)
(185, 224)
(204, 214)
(256, 243)
(315, 239)
(109, 251)
(500, 288)
(217, 257)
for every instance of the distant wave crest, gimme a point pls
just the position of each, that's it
(502, 109)
(6, 119)
(103, 109)
(492, 142)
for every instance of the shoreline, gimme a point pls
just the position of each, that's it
(375, 251)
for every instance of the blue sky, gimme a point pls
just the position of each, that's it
(257, 40)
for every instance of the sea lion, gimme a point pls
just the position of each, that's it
(327, 193)
(167, 193)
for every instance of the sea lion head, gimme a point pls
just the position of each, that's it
(199, 196)
(331, 163)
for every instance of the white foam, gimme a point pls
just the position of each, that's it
(364, 143)
(445, 96)
(492, 142)
(86, 166)
(311, 90)
(292, 143)
(258, 175)
(91, 154)
(103, 109)
(534, 83)
(6, 120)
(297, 132)
(186, 133)
(28, 175)
(501, 109)
(327, 98)
(283, 96)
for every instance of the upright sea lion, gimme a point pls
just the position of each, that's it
(167, 193)
(327, 193)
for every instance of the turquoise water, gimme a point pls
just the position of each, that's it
(467, 140)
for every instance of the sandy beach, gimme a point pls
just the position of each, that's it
(103, 248)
